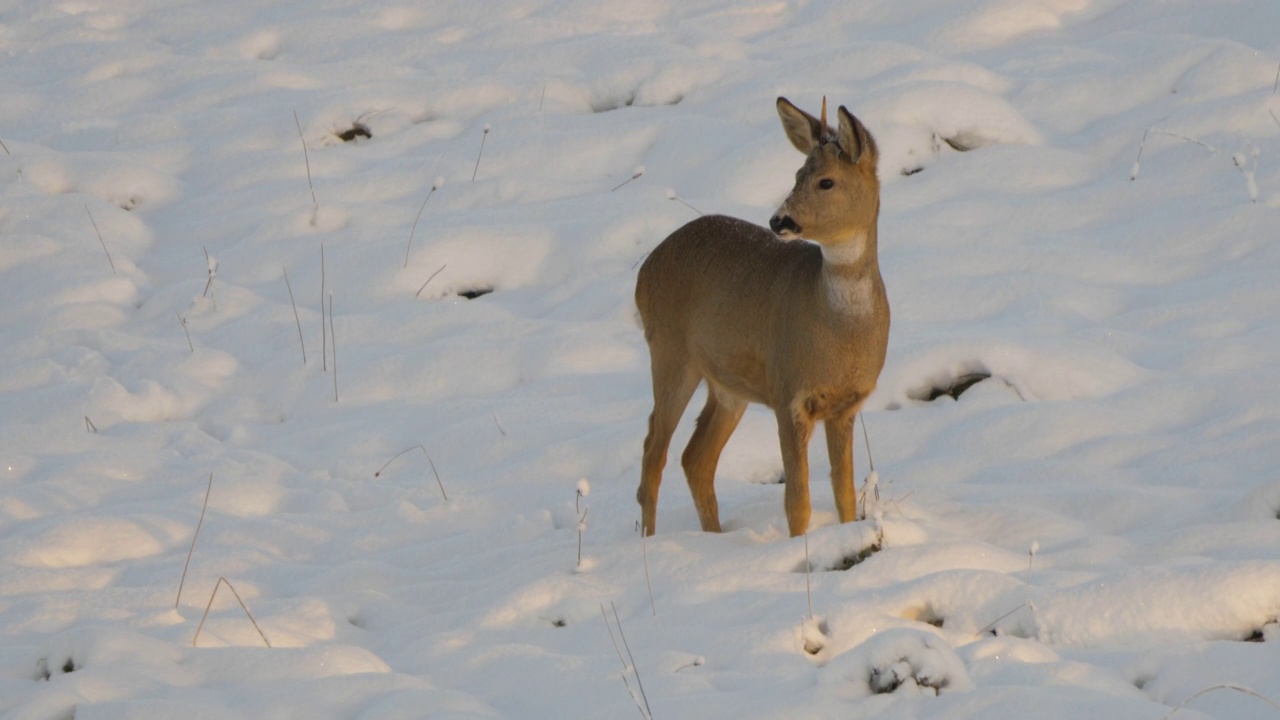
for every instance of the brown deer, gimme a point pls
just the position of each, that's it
(799, 326)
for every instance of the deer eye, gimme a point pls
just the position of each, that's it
(826, 183)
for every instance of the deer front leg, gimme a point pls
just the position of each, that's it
(794, 431)
(840, 450)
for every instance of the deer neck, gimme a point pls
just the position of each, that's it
(850, 270)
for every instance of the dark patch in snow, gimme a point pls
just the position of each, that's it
(607, 103)
(908, 172)
(925, 614)
(1255, 636)
(558, 622)
(886, 679)
(601, 105)
(952, 389)
(856, 558)
(357, 130)
(815, 634)
(474, 293)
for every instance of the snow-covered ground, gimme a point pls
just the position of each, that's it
(1091, 532)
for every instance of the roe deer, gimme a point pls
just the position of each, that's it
(799, 326)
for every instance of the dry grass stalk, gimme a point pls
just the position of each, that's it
(212, 595)
(1224, 686)
(100, 240)
(306, 157)
(993, 623)
(213, 271)
(184, 329)
(430, 462)
(324, 331)
(428, 282)
(637, 174)
(412, 230)
(296, 320)
(642, 702)
(89, 426)
(481, 153)
(333, 344)
(192, 549)
(677, 198)
(644, 551)
(808, 569)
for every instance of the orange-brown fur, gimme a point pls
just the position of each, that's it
(798, 326)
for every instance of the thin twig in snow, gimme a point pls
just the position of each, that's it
(481, 153)
(213, 271)
(618, 650)
(644, 551)
(324, 331)
(1249, 172)
(184, 329)
(433, 276)
(1137, 162)
(296, 320)
(642, 702)
(1026, 604)
(634, 668)
(378, 472)
(220, 583)
(1224, 686)
(637, 174)
(100, 240)
(204, 506)
(808, 567)
(1193, 141)
(867, 440)
(315, 205)
(333, 344)
(543, 98)
(582, 524)
(89, 426)
(673, 196)
(429, 461)
(433, 472)
(412, 230)
(6, 149)
(1273, 116)
(499, 424)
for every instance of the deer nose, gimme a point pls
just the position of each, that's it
(778, 223)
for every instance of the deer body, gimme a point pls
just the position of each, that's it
(797, 326)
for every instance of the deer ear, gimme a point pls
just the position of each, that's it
(803, 130)
(855, 141)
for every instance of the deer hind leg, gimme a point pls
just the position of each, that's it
(794, 431)
(840, 450)
(716, 423)
(673, 385)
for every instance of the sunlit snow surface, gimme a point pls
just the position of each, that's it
(1129, 432)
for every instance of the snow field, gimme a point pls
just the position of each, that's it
(1128, 430)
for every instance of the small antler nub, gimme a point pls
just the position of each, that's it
(824, 119)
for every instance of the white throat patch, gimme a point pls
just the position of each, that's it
(847, 252)
(847, 295)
